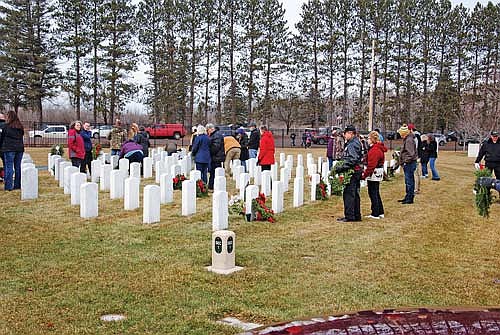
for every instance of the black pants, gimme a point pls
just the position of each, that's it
(374, 193)
(87, 162)
(495, 170)
(352, 201)
(76, 162)
(211, 179)
(265, 167)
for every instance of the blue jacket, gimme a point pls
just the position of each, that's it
(201, 149)
(87, 139)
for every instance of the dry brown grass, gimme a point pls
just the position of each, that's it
(59, 273)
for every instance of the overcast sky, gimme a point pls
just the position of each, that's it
(292, 8)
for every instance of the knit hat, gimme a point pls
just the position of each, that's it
(403, 131)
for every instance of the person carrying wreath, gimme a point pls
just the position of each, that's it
(351, 160)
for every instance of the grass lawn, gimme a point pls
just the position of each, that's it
(60, 273)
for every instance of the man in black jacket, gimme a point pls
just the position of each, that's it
(253, 143)
(352, 160)
(490, 150)
(217, 154)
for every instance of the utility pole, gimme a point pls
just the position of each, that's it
(371, 106)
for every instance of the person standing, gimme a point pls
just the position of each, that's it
(267, 149)
(242, 138)
(335, 147)
(490, 151)
(86, 134)
(76, 146)
(232, 150)
(433, 153)
(418, 144)
(351, 160)
(142, 138)
(216, 152)
(409, 160)
(254, 141)
(424, 157)
(201, 152)
(2, 124)
(12, 148)
(116, 137)
(292, 137)
(375, 160)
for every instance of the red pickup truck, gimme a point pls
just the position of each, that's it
(166, 130)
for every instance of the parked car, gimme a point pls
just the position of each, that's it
(321, 136)
(101, 131)
(226, 130)
(57, 131)
(166, 130)
(392, 135)
(469, 139)
(452, 136)
(440, 138)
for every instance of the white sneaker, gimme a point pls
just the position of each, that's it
(372, 217)
(381, 216)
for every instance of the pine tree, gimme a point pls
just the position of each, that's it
(119, 55)
(73, 44)
(96, 39)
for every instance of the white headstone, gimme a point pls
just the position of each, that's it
(68, 171)
(220, 212)
(298, 191)
(300, 160)
(312, 169)
(299, 172)
(244, 181)
(251, 164)
(266, 183)
(185, 166)
(123, 165)
(163, 154)
(175, 170)
(116, 184)
(151, 210)
(131, 196)
(220, 172)
(135, 170)
(52, 163)
(320, 164)
(473, 150)
(89, 200)
(234, 164)
(160, 169)
(195, 175)
(282, 159)
(106, 157)
(236, 173)
(274, 172)
(166, 188)
(257, 175)
(284, 179)
(188, 197)
(251, 192)
(289, 167)
(148, 167)
(62, 165)
(29, 183)
(25, 165)
(277, 198)
(77, 180)
(95, 165)
(114, 161)
(220, 183)
(309, 159)
(105, 177)
(325, 171)
(315, 178)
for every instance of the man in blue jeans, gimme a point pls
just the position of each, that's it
(409, 161)
(254, 141)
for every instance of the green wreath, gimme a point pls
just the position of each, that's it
(483, 198)
(339, 180)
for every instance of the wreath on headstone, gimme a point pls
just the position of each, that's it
(338, 181)
(262, 212)
(236, 205)
(201, 189)
(177, 181)
(57, 149)
(96, 151)
(321, 191)
(483, 198)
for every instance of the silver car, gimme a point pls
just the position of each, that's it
(440, 138)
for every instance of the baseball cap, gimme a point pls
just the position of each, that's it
(494, 133)
(411, 126)
(350, 128)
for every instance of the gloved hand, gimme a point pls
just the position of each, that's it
(477, 166)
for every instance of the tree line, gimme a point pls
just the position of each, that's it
(236, 60)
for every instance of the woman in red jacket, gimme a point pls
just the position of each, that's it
(266, 149)
(76, 147)
(374, 173)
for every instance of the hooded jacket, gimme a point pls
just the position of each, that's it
(76, 148)
(375, 158)
(266, 152)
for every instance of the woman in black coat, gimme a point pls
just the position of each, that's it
(12, 148)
